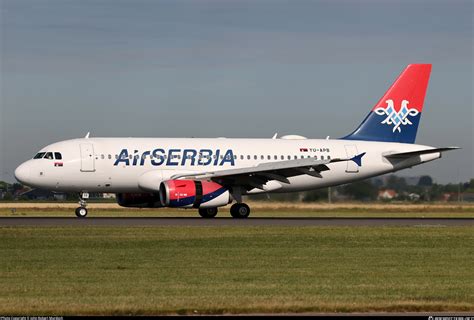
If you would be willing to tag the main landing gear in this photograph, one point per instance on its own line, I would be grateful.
(81, 211)
(208, 212)
(239, 210)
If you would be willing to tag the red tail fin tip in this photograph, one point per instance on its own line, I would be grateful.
(409, 89)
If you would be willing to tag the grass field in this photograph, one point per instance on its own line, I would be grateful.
(259, 209)
(189, 270)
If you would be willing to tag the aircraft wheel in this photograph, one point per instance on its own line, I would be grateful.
(240, 211)
(81, 212)
(208, 212)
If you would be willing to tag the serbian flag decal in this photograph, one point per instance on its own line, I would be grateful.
(58, 164)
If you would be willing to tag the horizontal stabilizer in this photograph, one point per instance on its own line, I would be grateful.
(402, 155)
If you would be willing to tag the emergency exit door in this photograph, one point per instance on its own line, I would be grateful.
(351, 151)
(87, 157)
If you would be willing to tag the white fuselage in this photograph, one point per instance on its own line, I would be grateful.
(102, 165)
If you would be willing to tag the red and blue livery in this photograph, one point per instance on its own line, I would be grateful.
(396, 115)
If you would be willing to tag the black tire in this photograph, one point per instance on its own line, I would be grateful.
(208, 212)
(81, 212)
(240, 211)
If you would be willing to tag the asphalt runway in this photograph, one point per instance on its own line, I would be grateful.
(282, 222)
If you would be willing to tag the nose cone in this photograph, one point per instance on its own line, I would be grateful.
(22, 173)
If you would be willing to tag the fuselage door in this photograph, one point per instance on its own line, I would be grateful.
(87, 157)
(351, 151)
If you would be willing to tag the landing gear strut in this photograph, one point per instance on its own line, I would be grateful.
(81, 211)
(208, 212)
(239, 211)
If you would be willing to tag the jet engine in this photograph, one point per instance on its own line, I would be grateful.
(139, 200)
(193, 194)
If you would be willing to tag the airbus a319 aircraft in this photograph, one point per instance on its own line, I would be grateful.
(206, 174)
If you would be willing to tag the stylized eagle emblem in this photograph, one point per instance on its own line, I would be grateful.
(396, 118)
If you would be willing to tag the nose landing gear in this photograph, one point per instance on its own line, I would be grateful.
(81, 212)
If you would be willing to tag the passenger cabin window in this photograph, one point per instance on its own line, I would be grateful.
(58, 156)
(39, 155)
(49, 155)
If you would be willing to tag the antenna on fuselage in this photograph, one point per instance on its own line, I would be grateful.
(275, 135)
(87, 135)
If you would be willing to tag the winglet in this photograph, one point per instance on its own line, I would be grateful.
(358, 159)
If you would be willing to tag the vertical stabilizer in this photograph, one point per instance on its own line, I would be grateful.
(395, 117)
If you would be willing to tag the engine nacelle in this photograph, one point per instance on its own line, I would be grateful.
(139, 200)
(193, 194)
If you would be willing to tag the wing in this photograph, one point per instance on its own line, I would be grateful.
(409, 154)
(258, 175)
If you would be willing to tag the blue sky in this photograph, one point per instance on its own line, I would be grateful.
(229, 68)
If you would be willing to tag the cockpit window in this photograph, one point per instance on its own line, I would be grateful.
(39, 155)
(49, 155)
(58, 156)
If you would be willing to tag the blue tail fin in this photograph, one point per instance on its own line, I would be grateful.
(396, 116)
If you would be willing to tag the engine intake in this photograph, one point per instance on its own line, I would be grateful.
(193, 194)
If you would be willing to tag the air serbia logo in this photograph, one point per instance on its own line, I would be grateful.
(176, 157)
(394, 118)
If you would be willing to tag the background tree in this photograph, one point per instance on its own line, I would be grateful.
(396, 183)
(315, 195)
(361, 190)
(425, 181)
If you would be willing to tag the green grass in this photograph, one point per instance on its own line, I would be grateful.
(186, 270)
